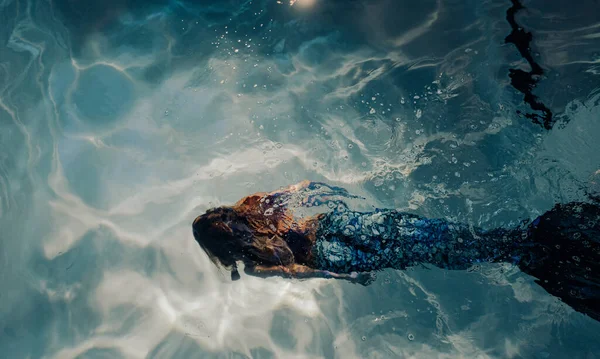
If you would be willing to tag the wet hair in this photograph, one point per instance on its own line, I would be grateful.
(228, 236)
(215, 237)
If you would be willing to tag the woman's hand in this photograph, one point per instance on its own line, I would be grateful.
(363, 278)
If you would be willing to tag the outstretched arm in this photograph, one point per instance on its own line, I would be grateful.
(301, 271)
(290, 271)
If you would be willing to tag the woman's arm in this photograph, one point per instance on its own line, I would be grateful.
(300, 271)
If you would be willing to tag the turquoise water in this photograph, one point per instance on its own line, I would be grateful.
(121, 121)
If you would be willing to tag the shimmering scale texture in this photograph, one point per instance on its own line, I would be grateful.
(353, 241)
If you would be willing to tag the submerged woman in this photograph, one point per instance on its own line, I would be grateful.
(561, 248)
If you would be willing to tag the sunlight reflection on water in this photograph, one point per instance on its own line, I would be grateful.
(120, 122)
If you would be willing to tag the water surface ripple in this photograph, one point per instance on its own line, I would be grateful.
(122, 120)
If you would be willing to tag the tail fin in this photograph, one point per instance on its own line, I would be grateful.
(562, 250)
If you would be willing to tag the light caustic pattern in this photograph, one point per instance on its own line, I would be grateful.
(119, 126)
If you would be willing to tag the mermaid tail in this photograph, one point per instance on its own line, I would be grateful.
(561, 248)
(562, 251)
(350, 241)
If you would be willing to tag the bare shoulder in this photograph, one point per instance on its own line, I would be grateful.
(292, 188)
(261, 197)
(251, 200)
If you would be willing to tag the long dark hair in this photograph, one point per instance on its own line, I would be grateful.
(228, 236)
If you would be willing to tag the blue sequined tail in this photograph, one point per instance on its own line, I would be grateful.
(561, 248)
(356, 241)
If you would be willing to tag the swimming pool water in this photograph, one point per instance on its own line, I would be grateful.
(121, 121)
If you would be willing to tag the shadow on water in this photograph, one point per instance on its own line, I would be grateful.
(525, 81)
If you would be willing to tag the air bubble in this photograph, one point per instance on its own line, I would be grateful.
(363, 338)
(411, 337)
